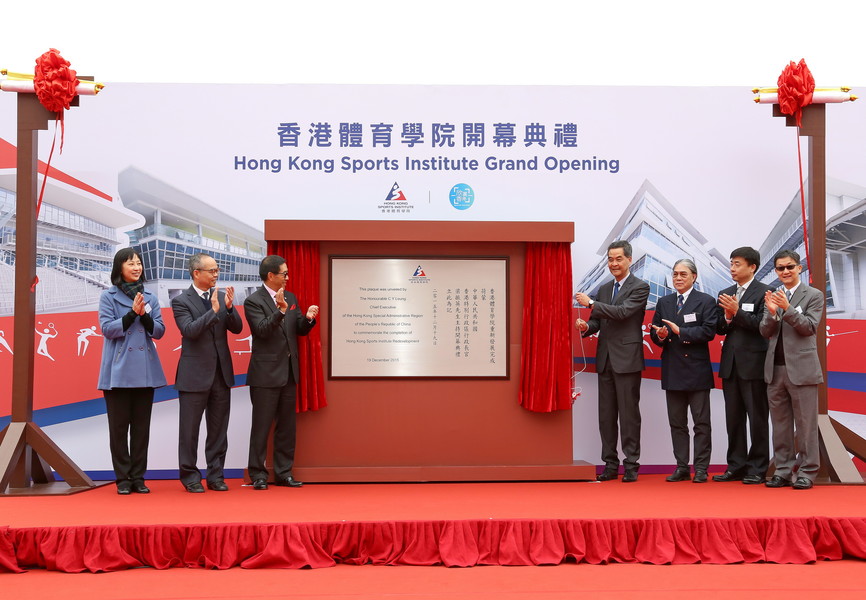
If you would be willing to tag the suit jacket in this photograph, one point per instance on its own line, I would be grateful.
(745, 349)
(204, 341)
(686, 356)
(275, 342)
(129, 358)
(798, 336)
(618, 323)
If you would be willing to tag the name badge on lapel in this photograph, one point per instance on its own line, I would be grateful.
(748, 307)
(690, 318)
(799, 310)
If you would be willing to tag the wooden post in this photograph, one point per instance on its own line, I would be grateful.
(27, 454)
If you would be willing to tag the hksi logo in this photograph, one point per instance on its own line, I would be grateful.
(396, 194)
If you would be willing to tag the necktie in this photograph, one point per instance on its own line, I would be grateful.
(740, 291)
(615, 290)
(680, 301)
(788, 294)
(205, 298)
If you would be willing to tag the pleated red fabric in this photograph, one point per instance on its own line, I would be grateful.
(302, 261)
(794, 540)
(8, 562)
(545, 355)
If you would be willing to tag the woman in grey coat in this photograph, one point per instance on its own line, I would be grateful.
(130, 320)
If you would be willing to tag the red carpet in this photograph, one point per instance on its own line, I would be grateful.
(433, 524)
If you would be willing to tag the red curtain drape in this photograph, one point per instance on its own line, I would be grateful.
(545, 356)
(302, 260)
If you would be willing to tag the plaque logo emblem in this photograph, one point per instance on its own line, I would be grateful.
(396, 194)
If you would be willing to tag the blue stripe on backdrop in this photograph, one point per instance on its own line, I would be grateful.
(838, 380)
(854, 382)
(156, 474)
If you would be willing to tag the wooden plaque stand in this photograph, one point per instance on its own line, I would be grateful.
(436, 429)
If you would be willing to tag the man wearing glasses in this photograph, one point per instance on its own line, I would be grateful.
(275, 320)
(793, 371)
(683, 326)
(203, 314)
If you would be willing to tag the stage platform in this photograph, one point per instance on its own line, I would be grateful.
(452, 524)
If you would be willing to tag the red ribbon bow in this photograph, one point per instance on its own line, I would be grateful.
(54, 81)
(796, 86)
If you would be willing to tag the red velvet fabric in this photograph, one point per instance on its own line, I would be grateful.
(795, 540)
(545, 356)
(302, 260)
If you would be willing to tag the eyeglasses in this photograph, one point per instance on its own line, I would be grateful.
(782, 268)
(283, 274)
(211, 271)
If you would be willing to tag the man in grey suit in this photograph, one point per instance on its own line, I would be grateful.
(617, 315)
(205, 374)
(275, 320)
(793, 371)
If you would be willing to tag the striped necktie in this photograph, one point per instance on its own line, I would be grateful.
(680, 302)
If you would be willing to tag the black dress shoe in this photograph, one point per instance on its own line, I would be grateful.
(289, 482)
(607, 475)
(700, 477)
(124, 488)
(217, 486)
(727, 476)
(777, 482)
(260, 484)
(139, 488)
(802, 483)
(679, 475)
(753, 479)
(195, 488)
(630, 476)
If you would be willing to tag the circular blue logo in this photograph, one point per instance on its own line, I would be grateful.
(461, 196)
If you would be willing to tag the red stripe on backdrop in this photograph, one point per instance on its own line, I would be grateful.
(846, 401)
(67, 358)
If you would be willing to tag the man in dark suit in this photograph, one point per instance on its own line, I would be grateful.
(205, 375)
(683, 325)
(275, 320)
(742, 371)
(793, 371)
(617, 315)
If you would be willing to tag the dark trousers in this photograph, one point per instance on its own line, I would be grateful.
(272, 406)
(128, 411)
(619, 401)
(216, 404)
(747, 399)
(679, 403)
